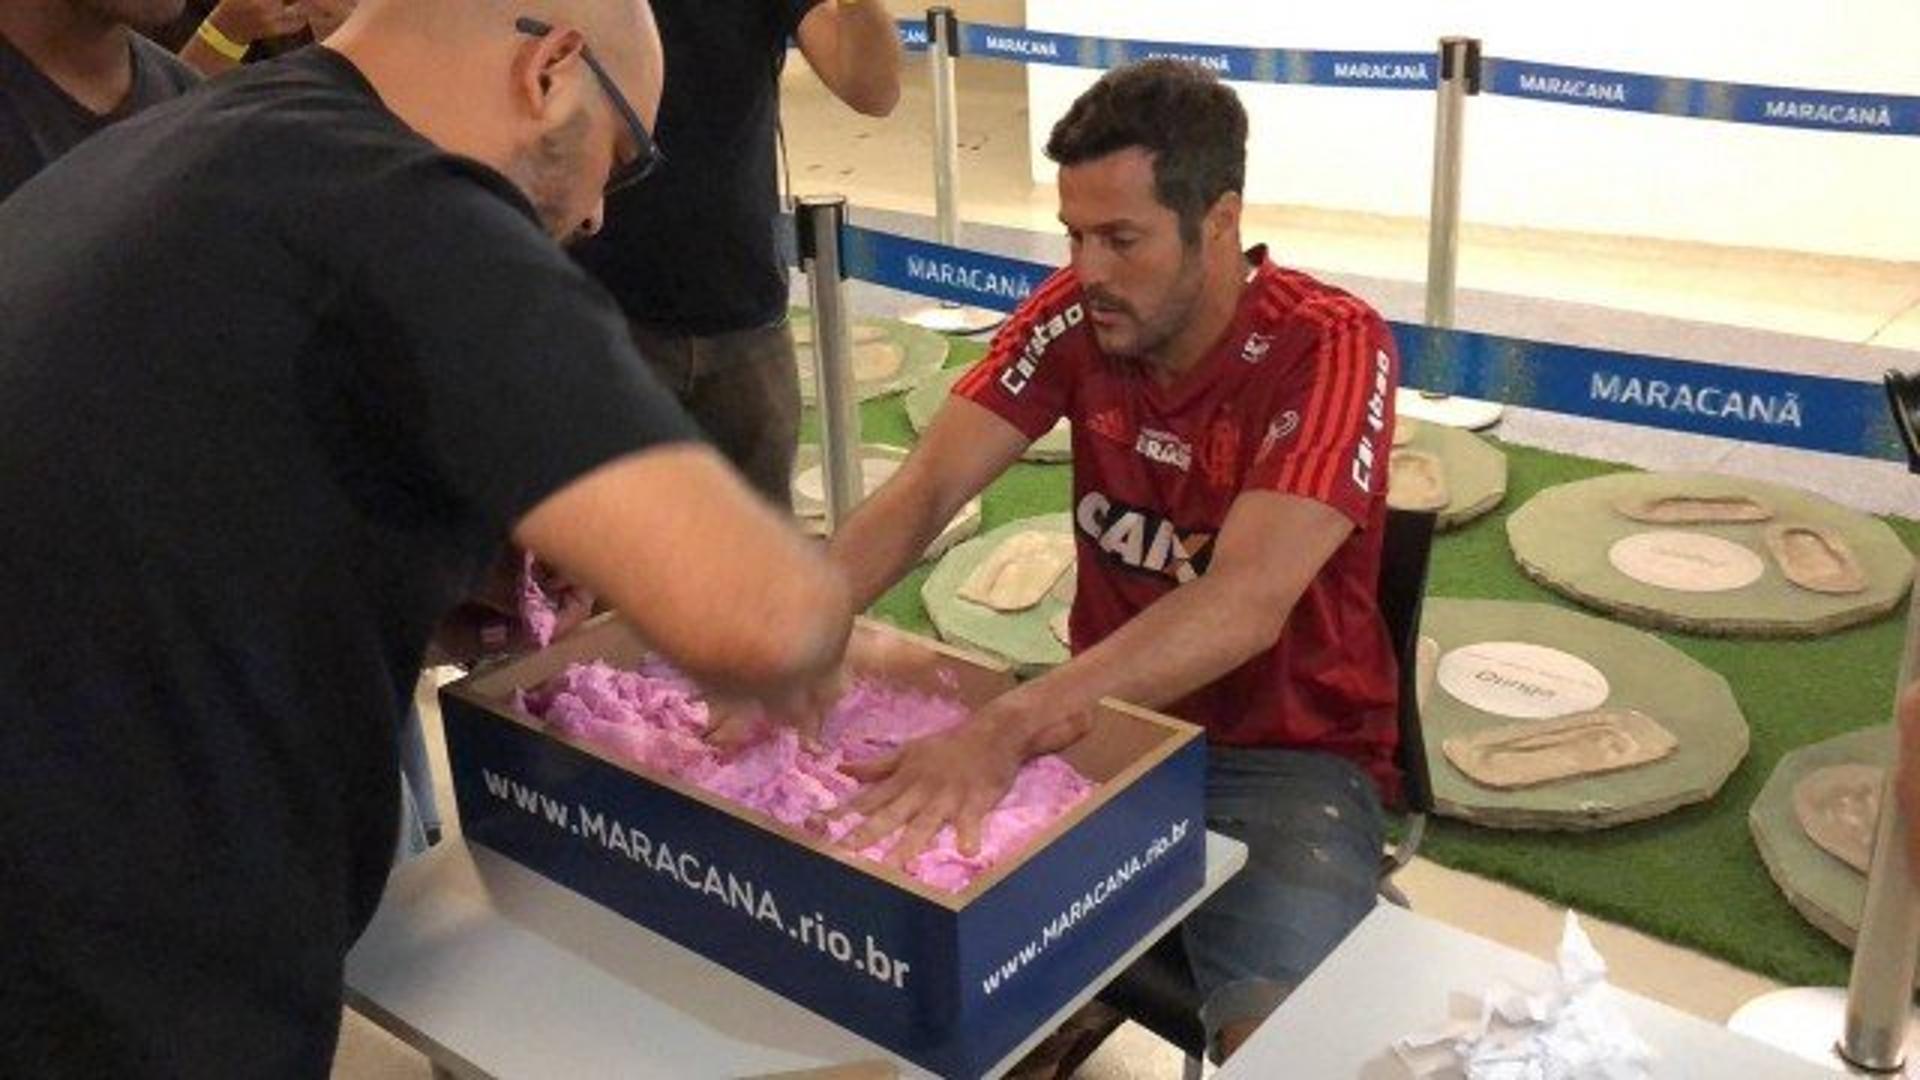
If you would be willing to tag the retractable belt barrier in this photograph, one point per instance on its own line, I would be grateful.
(1805, 412)
(1705, 99)
(1740, 103)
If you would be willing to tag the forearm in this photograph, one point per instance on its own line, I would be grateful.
(884, 539)
(201, 54)
(710, 577)
(1187, 639)
(868, 57)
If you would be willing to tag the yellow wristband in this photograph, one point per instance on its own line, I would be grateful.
(220, 42)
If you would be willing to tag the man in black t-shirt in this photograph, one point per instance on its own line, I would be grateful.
(282, 364)
(690, 256)
(69, 68)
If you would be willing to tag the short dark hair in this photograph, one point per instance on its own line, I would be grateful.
(1190, 121)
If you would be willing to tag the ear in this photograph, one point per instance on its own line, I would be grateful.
(1223, 217)
(548, 68)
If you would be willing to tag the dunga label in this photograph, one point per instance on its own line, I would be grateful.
(1521, 680)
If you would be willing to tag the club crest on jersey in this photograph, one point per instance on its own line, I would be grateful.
(1165, 448)
(1365, 455)
(1018, 375)
(1220, 456)
(1141, 540)
(1255, 350)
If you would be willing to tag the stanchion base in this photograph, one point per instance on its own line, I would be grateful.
(1448, 410)
(1806, 1022)
(954, 319)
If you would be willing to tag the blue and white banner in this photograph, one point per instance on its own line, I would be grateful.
(1385, 70)
(913, 34)
(944, 273)
(1742, 103)
(1807, 412)
(1749, 404)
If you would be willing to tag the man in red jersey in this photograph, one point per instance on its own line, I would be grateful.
(1231, 427)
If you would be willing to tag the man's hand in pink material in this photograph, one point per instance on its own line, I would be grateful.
(733, 725)
(953, 778)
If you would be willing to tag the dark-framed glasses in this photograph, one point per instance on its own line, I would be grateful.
(647, 156)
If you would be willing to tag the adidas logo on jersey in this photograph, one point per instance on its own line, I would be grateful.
(1255, 350)
(1365, 457)
(1140, 539)
(1016, 377)
(1165, 448)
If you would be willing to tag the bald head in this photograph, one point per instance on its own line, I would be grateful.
(513, 84)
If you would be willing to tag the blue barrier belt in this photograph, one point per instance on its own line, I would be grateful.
(1806, 412)
(1741, 103)
(1384, 70)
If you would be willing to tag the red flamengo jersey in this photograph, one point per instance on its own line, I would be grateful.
(1296, 397)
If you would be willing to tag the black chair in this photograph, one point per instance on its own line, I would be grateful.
(1158, 991)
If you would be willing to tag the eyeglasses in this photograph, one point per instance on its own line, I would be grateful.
(647, 156)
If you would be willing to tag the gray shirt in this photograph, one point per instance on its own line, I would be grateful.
(39, 121)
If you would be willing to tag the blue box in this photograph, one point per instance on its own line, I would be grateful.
(953, 982)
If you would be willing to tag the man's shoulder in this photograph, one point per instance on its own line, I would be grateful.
(162, 67)
(1296, 298)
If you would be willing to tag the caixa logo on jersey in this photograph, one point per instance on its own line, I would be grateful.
(1016, 377)
(1365, 456)
(1142, 540)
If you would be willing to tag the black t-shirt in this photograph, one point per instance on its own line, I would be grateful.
(277, 376)
(39, 121)
(692, 248)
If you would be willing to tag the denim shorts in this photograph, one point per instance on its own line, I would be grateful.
(1314, 830)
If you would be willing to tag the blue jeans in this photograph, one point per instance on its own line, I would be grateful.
(1313, 828)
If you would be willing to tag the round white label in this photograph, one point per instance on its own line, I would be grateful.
(812, 482)
(1686, 561)
(1522, 680)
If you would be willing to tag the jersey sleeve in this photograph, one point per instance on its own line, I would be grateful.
(512, 367)
(1026, 378)
(1331, 438)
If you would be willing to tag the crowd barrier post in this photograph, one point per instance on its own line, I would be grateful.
(1459, 79)
(943, 47)
(1865, 1029)
(1880, 988)
(818, 221)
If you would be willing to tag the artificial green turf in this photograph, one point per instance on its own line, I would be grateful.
(1692, 876)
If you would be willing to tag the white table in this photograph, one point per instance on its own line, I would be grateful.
(1394, 976)
(493, 971)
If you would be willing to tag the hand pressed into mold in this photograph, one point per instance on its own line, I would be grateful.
(952, 778)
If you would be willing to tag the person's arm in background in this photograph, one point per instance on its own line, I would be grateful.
(855, 49)
(325, 16)
(233, 26)
(701, 567)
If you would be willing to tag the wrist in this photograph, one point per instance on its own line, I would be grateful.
(223, 37)
(1023, 720)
